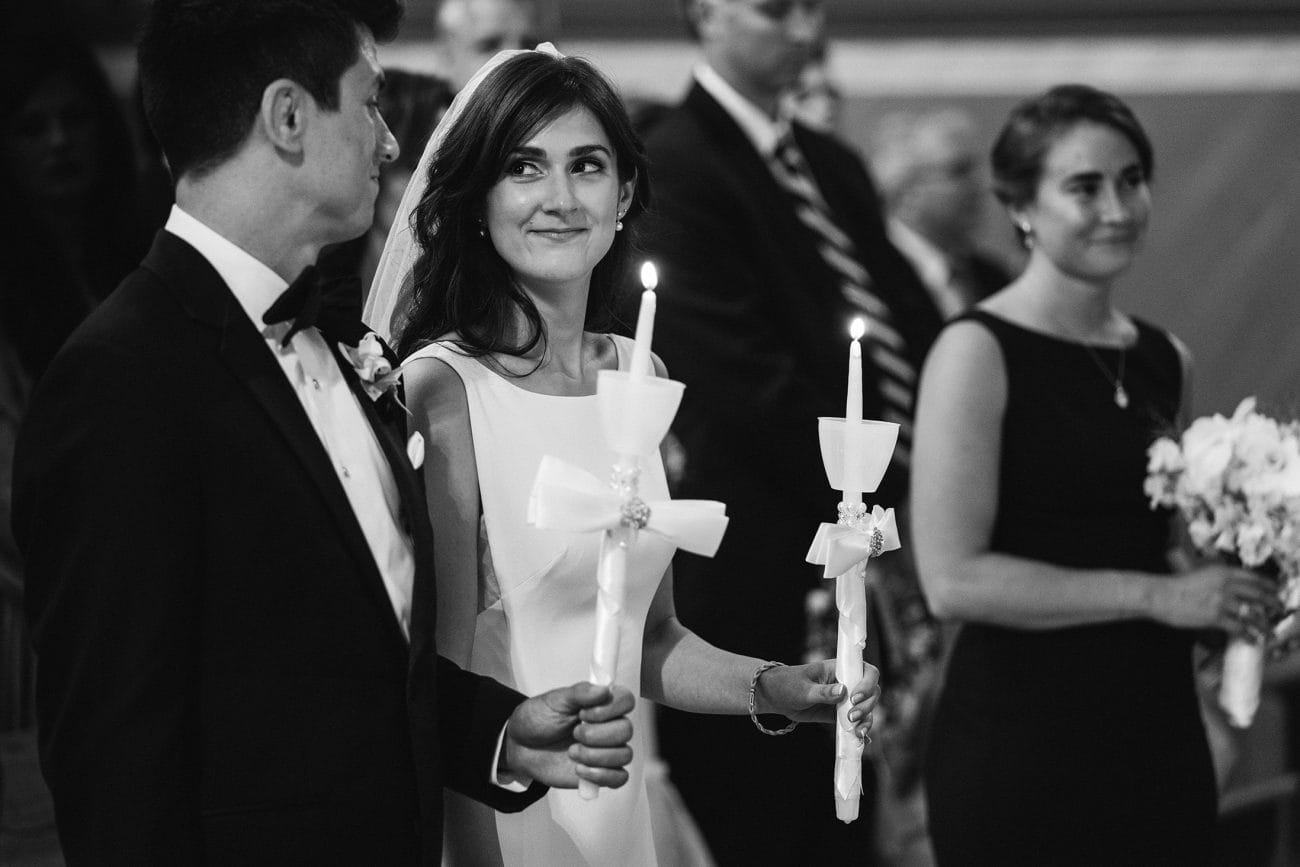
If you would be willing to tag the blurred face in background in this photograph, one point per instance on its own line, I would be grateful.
(1090, 212)
(760, 46)
(51, 143)
(945, 190)
(814, 100)
(471, 31)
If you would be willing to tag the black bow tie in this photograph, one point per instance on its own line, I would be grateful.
(331, 304)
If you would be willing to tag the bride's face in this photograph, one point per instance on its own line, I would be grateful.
(551, 214)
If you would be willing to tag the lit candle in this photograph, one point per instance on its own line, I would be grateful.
(853, 416)
(645, 322)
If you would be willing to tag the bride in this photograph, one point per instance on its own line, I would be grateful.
(499, 271)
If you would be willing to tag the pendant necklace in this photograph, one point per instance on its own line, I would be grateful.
(1121, 394)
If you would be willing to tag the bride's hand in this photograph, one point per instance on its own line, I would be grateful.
(809, 693)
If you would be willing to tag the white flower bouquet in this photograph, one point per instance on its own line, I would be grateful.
(1236, 482)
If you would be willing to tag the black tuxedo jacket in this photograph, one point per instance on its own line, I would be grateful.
(222, 678)
(753, 320)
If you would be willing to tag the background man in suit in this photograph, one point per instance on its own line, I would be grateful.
(927, 164)
(770, 240)
(229, 564)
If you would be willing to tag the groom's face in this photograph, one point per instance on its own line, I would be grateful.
(345, 148)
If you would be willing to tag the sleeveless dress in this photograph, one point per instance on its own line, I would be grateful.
(537, 601)
(1081, 745)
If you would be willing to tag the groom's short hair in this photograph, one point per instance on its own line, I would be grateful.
(205, 63)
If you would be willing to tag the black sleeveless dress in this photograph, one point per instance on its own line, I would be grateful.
(1081, 745)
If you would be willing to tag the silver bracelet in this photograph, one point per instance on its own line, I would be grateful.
(753, 713)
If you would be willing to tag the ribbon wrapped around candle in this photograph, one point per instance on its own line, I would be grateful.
(565, 497)
(844, 549)
(840, 547)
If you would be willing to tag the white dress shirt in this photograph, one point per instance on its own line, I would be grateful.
(330, 404)
(762, 131)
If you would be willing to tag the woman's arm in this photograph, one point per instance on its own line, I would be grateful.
(956, 459)
(440, 412)
(682, 670)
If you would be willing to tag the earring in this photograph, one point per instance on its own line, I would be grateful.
(1026, 235)
(618, 224)
(482, 229)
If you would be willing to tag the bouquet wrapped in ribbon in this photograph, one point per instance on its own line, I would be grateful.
(1236, 482)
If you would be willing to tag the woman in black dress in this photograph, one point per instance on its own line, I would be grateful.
(1068, 731)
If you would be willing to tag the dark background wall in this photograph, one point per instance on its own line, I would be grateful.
(1222, 266)
(643, 19)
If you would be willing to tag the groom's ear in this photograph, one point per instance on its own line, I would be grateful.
(283, 114)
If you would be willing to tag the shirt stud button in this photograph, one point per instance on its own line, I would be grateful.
(347, 474)
(315, 383)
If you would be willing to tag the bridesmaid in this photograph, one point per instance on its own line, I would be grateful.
(1068, 731)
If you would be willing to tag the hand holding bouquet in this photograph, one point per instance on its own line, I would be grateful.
(1236, 482)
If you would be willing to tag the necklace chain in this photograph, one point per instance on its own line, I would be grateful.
(1117, 380)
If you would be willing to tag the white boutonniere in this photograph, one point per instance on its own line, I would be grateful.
(376, 372)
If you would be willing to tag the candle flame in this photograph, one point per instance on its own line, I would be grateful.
(649, 275)
(857, 328)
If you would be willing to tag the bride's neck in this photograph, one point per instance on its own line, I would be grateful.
(563, 318)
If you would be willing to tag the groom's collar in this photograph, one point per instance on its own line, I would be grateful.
(254, 285)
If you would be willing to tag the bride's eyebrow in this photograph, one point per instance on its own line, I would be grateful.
(539, 153)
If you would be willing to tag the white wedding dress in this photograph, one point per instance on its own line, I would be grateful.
(536, 620)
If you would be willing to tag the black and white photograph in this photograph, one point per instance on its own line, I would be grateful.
(650, 432)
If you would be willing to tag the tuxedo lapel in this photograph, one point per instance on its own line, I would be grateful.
(205, 296)
(390, 434)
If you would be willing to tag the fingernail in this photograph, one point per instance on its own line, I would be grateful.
(859, 698)
(854, 715)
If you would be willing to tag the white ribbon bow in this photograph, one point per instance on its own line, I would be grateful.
(565, 497)
(841, 547)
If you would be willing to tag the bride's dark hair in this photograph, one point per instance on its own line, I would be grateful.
(461, 284)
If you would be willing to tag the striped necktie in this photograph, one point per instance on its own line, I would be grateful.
(896, 377)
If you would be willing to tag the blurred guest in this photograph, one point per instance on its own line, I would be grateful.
(1068, 731)
(470, 32)
(411, 103)
(16, 710)
(815, 99)
(770, 240)
(927, 165)
(67, 194)
(67, 215)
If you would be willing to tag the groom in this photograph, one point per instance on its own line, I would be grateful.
(228, 560)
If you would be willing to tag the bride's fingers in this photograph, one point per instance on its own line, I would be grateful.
(864, 703)
(831, 693)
